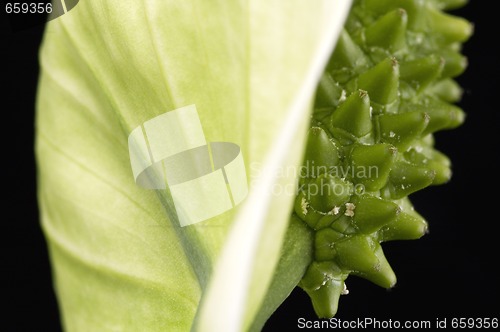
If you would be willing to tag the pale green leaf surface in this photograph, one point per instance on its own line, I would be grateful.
(121, 262)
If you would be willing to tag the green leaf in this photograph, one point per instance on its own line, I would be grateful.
(121, 261)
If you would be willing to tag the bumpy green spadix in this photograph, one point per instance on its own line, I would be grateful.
(386, 90)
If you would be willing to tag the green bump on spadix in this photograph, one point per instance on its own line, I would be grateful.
(372, 213)
(347, 54)
(328, 92)
(371, 164)
(449, 4)
(324, 244)
(443, 116)
(389, 31)
(364, 257)
(321, 153)
(420, 73)
(449, 28)
(383, 275)
(402, 129)
(433, 160)
(329, 191)
(447, 90)
(404, 227)
(386, 71)
(387, 89)
(454, 63)
(414, 8)
(324, 283)
(353, 115)
(406, 179)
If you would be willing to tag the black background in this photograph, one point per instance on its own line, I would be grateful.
(450, 272)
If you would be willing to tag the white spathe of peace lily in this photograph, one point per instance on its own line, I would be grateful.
(120, 259)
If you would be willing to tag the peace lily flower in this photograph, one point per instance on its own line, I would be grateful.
(121, 260)
(153, 118)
